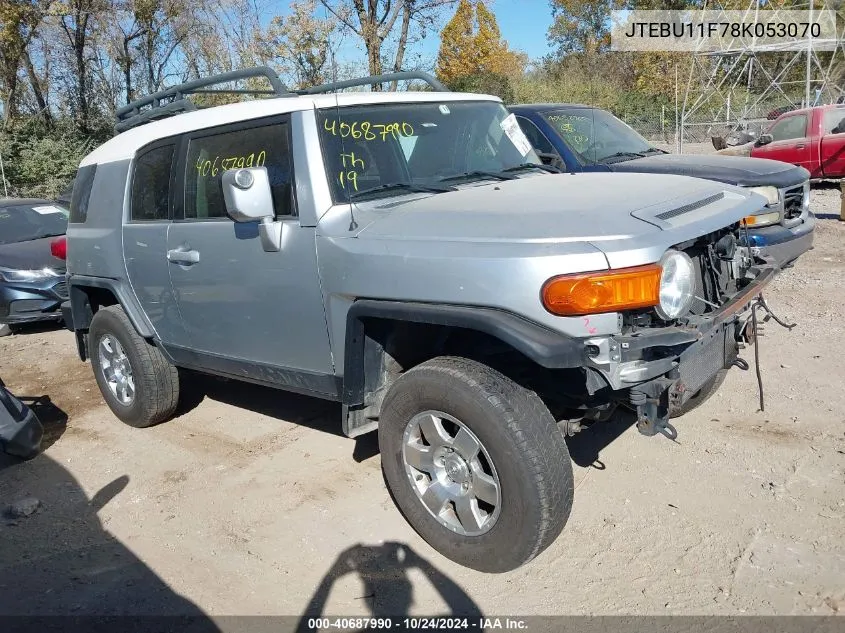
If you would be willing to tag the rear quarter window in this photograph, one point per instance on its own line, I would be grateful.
(82, 186)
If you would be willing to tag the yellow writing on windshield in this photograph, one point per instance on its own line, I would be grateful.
(349, 173)
(573, 128)
(213, 167)
(367, 130)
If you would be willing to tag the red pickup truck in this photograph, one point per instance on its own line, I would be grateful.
(812, 138)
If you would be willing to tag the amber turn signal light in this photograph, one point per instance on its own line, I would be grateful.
(605, 291)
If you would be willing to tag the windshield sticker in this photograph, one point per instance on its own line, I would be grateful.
(368, 131)
(444, 109)
(49, 210)
(510, 127)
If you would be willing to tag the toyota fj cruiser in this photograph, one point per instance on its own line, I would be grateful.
(408, 255)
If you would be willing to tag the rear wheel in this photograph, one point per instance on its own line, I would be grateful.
(475, 463)
(139, 385)
(707, 390)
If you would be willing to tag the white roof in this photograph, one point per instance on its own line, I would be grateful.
(124, 145)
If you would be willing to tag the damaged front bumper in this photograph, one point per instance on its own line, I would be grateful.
(656, 368)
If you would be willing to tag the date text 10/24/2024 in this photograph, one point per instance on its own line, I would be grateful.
(416, 624)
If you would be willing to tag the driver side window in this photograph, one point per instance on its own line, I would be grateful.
(790, 128)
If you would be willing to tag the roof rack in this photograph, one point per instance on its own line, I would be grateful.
(375, 79)
(173, 101)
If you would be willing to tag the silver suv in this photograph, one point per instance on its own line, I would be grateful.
(408, 255)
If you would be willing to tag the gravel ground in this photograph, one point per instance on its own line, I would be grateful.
(251, 502)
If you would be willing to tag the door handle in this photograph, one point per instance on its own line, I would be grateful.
(800, 146)
(184, 257)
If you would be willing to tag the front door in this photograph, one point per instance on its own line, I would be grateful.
(247, 312)
(789, 142)
(833, 143)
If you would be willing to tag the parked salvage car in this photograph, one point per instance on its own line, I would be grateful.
(582, 138)
(408, 255)
(32, 267)
(812, 138)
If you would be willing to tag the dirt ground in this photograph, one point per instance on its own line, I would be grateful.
(252, 502)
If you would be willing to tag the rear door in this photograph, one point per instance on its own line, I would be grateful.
(790, 143)
(247, 311)
(145, 238)
(833, 143)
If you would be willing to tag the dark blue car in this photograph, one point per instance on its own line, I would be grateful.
(32, 271)
(578, 138)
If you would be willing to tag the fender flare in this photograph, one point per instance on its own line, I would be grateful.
(545, 347)
(126, 299)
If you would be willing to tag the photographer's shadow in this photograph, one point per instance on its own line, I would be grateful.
(388, 590)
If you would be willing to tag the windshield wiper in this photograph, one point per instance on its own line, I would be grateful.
(652, 150)
(393, 186)
(622, 155)
(549, 168)
(496, 175)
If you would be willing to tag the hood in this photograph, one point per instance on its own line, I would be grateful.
(733, 170)
(30, 255)
(550, 209)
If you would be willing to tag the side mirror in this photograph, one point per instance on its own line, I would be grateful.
(764, 139)
(248, 198)
(247, 194)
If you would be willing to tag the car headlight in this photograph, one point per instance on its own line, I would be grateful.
(677, 285)
(771, 194)
(13, 274)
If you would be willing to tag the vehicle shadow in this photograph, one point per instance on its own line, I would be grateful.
(53, 419)
(585, 447)
(38, 327)
(388, 589)
(60, 561)
(314, 413)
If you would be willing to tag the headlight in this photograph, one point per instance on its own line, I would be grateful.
(11, 274)
(677, 285)
(771, 194)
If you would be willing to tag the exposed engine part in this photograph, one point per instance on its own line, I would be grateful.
(760, 304)
(726, 247)
(570, 427)
(652, 403)
(741, 363)
(771, 315)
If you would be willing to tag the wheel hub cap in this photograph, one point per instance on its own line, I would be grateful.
(451, 473)
(456, 469)
(116, 369)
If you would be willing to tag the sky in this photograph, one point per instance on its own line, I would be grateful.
(523, 23)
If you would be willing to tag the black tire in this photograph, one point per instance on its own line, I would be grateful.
(524, 444)
(707, 390)
(156, 380)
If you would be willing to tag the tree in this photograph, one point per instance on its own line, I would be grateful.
(18, 22)
(301, 44)
(377, 21)
(472, 45)
(581, 26)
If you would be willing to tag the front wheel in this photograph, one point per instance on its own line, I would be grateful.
(476, 463)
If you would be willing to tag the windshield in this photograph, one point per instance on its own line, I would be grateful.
(21, 223)
(393, 149)
(597, 136)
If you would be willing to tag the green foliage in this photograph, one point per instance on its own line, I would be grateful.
(39, 162)
(484, 83)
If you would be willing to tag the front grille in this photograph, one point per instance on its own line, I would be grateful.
(61, 289)
(792, 202)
